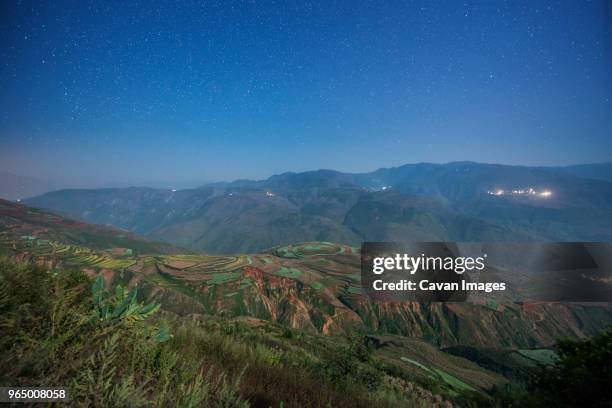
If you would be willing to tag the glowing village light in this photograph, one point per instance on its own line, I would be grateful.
(521, 192)
(495, 192)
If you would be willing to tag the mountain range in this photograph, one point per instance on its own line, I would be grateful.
(460, 201)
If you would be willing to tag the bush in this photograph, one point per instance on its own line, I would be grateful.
(581, 376)
(58, 328)
(52, 334)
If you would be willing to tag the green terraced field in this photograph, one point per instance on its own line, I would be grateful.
(245, 283)
(453, 381)
(542, 356)
(116, 263)
(291, 273)
(421, 366)
(223, 277)
(357, 290)
(313, 249)
(434, 372)
(316, 285)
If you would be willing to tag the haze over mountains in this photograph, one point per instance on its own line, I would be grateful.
(460, 201)
(17, 187)
(14, 187)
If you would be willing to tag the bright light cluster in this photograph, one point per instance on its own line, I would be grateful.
(521, 192)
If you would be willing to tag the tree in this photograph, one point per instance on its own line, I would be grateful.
(581, 377)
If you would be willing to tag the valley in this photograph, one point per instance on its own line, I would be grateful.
(418, 202)
(282, 256)
(444, 351)
(313, 287)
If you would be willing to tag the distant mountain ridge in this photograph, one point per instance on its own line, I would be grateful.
(601, 171)
(424, 202)
(17, 187)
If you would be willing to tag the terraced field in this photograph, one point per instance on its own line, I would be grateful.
(20, 224)
(302, 265)
(283, 284)
(312, 286)
(68, 254)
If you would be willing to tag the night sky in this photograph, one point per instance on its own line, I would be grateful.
(105, 92)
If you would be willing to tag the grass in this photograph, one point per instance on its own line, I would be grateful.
(56, 341)
(49, 337)
(449, 379)
(454, 381)
(416, 363)
(542, 356)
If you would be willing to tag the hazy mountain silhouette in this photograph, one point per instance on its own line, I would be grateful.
(412, 202)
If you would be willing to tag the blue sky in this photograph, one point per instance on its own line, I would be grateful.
(107, 92)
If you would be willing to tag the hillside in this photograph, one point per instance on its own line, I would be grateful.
(21, 224)
(313, 287)
(452, 202)
(79, 336)
(302, 304)
(600, 171)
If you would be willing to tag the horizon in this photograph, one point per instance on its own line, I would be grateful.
(194, 184)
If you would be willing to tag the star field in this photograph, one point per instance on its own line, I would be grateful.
(108, 91)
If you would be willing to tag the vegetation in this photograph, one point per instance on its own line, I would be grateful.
(110, 349)
(580, 376)
(105, 354)
(265, 348)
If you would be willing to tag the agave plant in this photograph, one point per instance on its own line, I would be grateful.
(122, 307)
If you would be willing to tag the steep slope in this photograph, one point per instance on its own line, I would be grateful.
(34, 228)
(392, 216)
(250, 222)
(139, 209)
